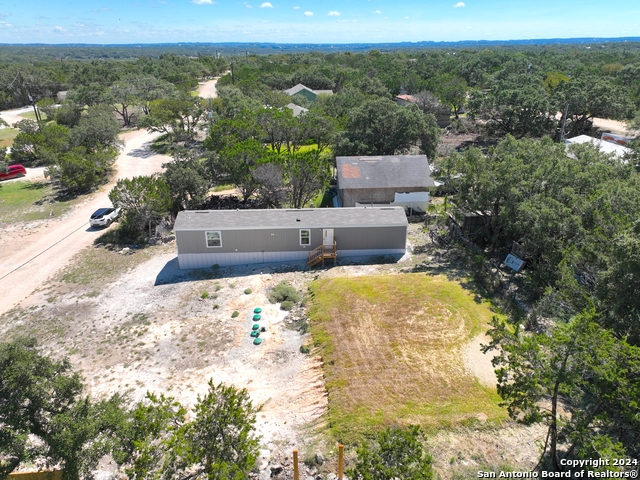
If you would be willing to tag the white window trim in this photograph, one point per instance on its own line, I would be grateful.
(300, 236)
(206, 238)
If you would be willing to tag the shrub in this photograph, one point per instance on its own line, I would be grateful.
(305, 349)
(248, 291)
(283, 292)
(287, 305)
(204, 295)
(235, 314)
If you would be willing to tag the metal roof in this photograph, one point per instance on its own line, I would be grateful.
(606, 147)
(297, 110)
(387, 171)
(297, 88)
(290, 218)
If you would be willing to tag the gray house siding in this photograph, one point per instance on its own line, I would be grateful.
(279, 244)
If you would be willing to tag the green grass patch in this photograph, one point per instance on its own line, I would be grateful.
(98, 266)
(7, 135)
(26, 201)
(391, 347)
(31, 115)
(222, 188)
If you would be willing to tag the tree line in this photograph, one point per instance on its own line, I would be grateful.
(47, 418)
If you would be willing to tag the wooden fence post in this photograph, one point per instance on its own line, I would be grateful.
(340, 460)
(295, 465)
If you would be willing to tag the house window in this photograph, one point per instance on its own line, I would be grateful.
(214, 239)
(305, 236)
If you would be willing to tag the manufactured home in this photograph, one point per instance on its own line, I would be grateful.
(236, 237)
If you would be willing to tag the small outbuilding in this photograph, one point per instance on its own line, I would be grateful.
(377, 180)
(235, 237)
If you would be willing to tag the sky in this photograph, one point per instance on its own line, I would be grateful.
(311, 21)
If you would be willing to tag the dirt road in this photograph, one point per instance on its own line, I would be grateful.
(13, 116)
(41, 249)
(208, 89)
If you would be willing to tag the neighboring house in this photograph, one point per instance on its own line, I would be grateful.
(296, 109)
(379, 180)
(235, 237)
(306, 92)
(61, 95)
(606, 147)
(443, 117)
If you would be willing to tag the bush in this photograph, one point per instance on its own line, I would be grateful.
(248, 291)
(235, 314)
(393, 453)
(287, 305)
(306, 349)
(204, 295)
(282, 293)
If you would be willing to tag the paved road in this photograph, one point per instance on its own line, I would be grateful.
(39, 253)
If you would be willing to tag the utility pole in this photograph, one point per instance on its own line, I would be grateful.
(33, 103)
(564, 122)
(233, 78)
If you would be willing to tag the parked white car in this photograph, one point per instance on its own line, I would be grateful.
(103, 217)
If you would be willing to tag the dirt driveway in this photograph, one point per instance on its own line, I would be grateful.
(41, 248)
(208, 89)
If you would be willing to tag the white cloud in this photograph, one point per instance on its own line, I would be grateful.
(333, 13)
(406, 17)
(247, 5)
(296, 8)
(59, 29)
(5, 25)
(203, 2)
(308, 14)
(377, 12)
(266, 5)
(459, 5)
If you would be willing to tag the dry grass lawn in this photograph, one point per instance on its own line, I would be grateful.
(391, 347)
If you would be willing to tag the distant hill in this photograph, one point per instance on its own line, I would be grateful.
(88, 51)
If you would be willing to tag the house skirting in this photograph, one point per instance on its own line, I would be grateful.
(206, 260)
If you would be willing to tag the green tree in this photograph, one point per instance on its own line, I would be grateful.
(39, 145)
(321, 128)
(590, 97)
(278, 126)
(176, 117)
(579, 380)
(144, 200)
(187, 179)
(43, 415)
(97, 128)
(218, 444)
(237, 164)
(393, 453)
(80, 170)
(452, 91)
(517, 105)
(381, 127)
(308, 173)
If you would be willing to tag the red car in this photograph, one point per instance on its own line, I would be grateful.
(14, 171)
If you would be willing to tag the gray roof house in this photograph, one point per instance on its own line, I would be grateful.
(306, 92)
(380, 180)
(296, 109)
(236, 237)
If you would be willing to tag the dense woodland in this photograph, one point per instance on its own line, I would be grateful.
(571, 357)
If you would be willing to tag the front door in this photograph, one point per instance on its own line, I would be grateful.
(327, 236)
